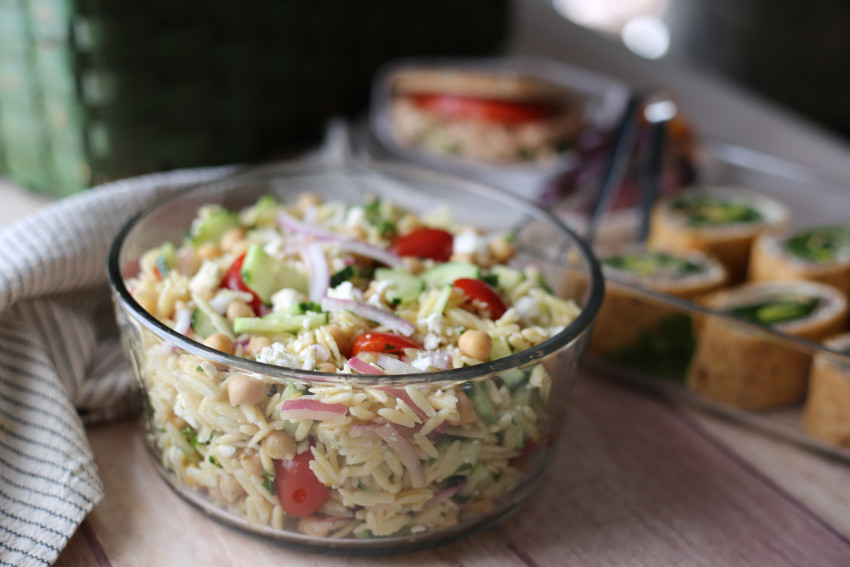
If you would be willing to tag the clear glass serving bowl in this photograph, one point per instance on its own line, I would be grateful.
(481, 474)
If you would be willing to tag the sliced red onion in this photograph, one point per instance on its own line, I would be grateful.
(405, 451)
(395, 366)
(363, 367)
(401, 394)
(318, 273)
(363, 249)
(442, 360)
(307, 408)
(370, 312)
(183, 320)
(295, 225)
(444, 494)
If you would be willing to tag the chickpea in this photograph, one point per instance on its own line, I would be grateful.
(414, 264)
(341, 338)
(244, 390)
(501, 249)
(229, 487)
(208, 251)
(220, 341)
(475, 344)
(307, 200)
(256, 345)
(465, 410)
(231, 238)
(326, 367)
(279, 445)
(238, 308)
(408, 223)
(462, 258)
(147, 300)
(251, 462)
(357, 232)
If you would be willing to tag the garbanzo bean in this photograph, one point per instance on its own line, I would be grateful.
(244, 390)
(256, 345)
(279, 445)
(231, 238)
(238, 308)
(475, 344)
(220, 341)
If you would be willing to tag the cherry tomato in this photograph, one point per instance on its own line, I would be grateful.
(484, 109)
(299, 491)
(387, 343)
(482, 296)
(233, 280)
(425, 242)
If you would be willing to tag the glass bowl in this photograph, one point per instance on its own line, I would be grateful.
(469, 476)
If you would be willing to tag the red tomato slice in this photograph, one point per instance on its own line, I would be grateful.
(425, 242)
(484, 109)
(299, 491)
(387, 343)
(233, 280)
(482, 296)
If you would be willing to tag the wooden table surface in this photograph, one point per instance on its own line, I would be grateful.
(638, 480)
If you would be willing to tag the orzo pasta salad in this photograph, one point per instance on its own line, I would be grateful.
(339, 289)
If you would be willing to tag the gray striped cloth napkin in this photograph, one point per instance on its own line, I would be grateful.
(61, 364)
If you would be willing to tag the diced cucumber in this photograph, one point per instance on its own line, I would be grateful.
(212, 223)
(481, 402)
(403, 286)
(202, 324)
(512, 377)
(279, 325)
(443, 298)
(509, 277)
(209, 318)
(478, 479)
(265, 275)
(344, 275)
(165, 258)
(448, 272)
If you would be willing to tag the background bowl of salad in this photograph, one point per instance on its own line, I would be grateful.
(359, 358)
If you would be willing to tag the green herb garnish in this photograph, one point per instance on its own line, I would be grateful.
(776, 311)
(268, 483)
(819, 245)
(709, 210)
(653, 263)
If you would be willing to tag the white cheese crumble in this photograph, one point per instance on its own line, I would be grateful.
(356, 217)
(468, 242)
(226, 450)
(432, 341)
(528, 308)
(181, 411)
(433, 323)
(207, 278)
(286, 298)
(276, 354)
(346, 290)
(424, 360)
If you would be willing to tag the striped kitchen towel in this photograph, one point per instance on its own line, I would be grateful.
(61, 364)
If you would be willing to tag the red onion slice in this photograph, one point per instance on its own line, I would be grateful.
(295, 225)
(373, 252)
(405, 451)
(395, 366)
(306, 408)
(318, 273)
(363, 367)
(402, 395)
(182, 321)
(370, 312)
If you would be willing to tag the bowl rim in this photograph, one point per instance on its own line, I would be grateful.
(406, 173)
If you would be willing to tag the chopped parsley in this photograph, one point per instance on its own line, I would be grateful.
(268, 483)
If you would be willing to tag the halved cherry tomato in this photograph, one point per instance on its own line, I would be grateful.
(387, 343)
(484, 109)
(233, 280)
(482, 296)
(299, 491)
(425, 242)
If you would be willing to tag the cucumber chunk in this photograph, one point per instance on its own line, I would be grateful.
(508, 278)
(202, 324)
(265, 275)
(478, 479)
(481, 402)
(279, 325)
(448, 272)
(211, 224)
(403, 286)
(512, 377)
(209, 319)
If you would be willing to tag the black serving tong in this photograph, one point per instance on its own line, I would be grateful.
(657, 111)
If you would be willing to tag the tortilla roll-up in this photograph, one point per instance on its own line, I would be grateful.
(625, 316)
(742, 368)
(826, 414)
(721, 221)
(820, 254)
